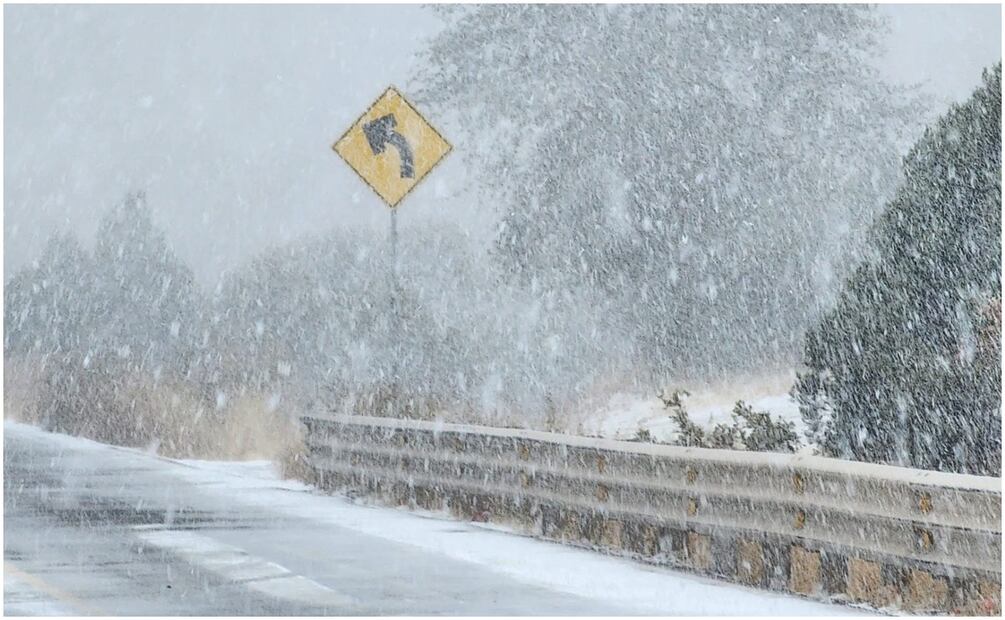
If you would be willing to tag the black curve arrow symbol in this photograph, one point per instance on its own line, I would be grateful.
(380, 133)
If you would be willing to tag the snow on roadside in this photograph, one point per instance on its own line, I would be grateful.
(623, 415)
(256, 486)
(648, 589)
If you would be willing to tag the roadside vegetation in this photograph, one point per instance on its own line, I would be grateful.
(619, 263)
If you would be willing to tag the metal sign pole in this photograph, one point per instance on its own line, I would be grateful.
(394, 323)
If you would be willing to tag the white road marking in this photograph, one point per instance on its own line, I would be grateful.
(237, 566)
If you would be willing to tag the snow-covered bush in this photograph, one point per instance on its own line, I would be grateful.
(688, 433)
(750, 430)
(759, 432)
(644, 436)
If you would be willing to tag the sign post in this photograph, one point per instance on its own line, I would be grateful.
(395, 322)
(392, 148)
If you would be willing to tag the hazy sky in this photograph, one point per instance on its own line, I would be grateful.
(226, 115)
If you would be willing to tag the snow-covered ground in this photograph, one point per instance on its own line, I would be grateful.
(575, 571)
(623, 415)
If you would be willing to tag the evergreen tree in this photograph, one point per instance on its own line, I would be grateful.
(699, 167)
(909, 359)
(47, 314)
(93, 324)
(46, 305)
(809, 392)
(147, 305)
(317, 315)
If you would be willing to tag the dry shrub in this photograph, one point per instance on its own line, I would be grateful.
(126, 409)
(20, 390)
(252, 428)
(175, 422)
(387, 400)
(293, 461)
(101, 402)
(160, 416)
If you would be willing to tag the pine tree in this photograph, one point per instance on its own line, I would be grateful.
(48, 311)
(810, 393)
(147, 304)
(908, 359)
(46, 305)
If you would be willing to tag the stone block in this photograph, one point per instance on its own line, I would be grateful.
(571, 528)
(866, 585)
(610, 535)
(749, 562)
(924, 592)
(647, 540)
(699, 550)
(804, 571)
(981, 598)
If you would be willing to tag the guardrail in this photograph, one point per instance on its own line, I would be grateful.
(823, 528)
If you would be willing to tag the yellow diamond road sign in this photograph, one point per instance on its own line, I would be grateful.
(391, 147)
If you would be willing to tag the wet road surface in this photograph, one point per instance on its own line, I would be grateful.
(97, 530)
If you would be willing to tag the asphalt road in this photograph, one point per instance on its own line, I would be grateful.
(104, 531)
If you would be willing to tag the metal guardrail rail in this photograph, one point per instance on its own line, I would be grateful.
(819, 527)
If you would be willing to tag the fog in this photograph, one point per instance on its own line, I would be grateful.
(225, 116)
(662, 234)
(791, 209)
